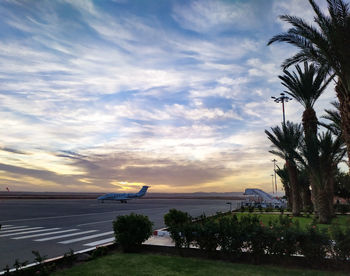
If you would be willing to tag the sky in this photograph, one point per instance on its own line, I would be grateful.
(107, 96)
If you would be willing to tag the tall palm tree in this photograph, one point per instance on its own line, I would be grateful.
(321, 157)
(306, 87)
(286, 140)
(327, 45)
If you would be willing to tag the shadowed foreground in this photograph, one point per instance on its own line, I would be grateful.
(138, 264)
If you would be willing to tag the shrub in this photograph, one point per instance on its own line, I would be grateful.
(242, 209)
(284, 236)
(131, 231)
(251, 209)
(178, 224)
(206, 236)
(314, 243)
(230, 238)
(341, 246)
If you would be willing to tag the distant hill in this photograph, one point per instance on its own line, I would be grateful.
(149, 195)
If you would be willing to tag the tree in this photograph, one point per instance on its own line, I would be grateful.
(286, 140)
(342, 185)
(326, 45)
(320, 157)
(306, 86)
(333, 115)
(283, 174)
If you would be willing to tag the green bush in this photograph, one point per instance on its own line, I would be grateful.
(180, 228)
(206, 236)
(230, 238)
(314, 243)
(341, 246)
(284, 236)
(131, 231)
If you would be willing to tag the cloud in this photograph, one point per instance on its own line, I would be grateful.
(205, 16)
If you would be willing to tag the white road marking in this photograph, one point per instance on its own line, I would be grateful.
(64, 236)
(100, 242)
(70, 216)
(87, 237)
(44, 234)
(20, 229)
(28, 232)
(6, 225)
(89, 223)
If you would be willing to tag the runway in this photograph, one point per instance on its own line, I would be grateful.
(54, 226)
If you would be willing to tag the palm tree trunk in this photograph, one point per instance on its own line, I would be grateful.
(310, 121)
(323, 206)
(330, 192)
(296, 200)
(289, 196)
(307, 204)
(344, 107)
(310, 129)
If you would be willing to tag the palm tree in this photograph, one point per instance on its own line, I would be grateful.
(321, 157)
(283, 174)
(286, 141)
(333, 115)
(304, 183)
(327, 45)
(306, 87)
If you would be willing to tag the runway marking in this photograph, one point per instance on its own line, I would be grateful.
(27, 232)
(44, 234)
(12, 227)
(87, 237)
(20, 229)
(70, 216)
(100, 242)
(89, 223)
(64, 236)
(6, 225)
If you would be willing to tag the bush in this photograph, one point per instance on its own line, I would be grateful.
(341, 246)
(131, 231)
(206, 236)
(314, 243)
(284, 236)
(230, 238)
(180, 228)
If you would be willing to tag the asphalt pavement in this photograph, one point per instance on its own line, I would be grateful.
(55, 226)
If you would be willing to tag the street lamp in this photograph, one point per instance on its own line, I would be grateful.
(282, 99)
(272, 183)
(274, 169)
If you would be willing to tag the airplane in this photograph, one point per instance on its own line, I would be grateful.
(124, 196)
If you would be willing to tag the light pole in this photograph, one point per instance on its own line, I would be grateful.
(282, 99)
(274, 170)
(272, 183)
(230, 203)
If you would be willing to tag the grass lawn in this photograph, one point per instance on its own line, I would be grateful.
(341, 220)
(145, 264)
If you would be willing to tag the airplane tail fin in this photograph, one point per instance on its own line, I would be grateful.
(143, 191)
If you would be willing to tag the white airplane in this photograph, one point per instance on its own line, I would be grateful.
(124, 196)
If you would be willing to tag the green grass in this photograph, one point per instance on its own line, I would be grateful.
(145, 264)
(341, 220)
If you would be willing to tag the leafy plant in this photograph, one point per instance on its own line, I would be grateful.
(178, 224)
(131, 231)
(341, 246)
